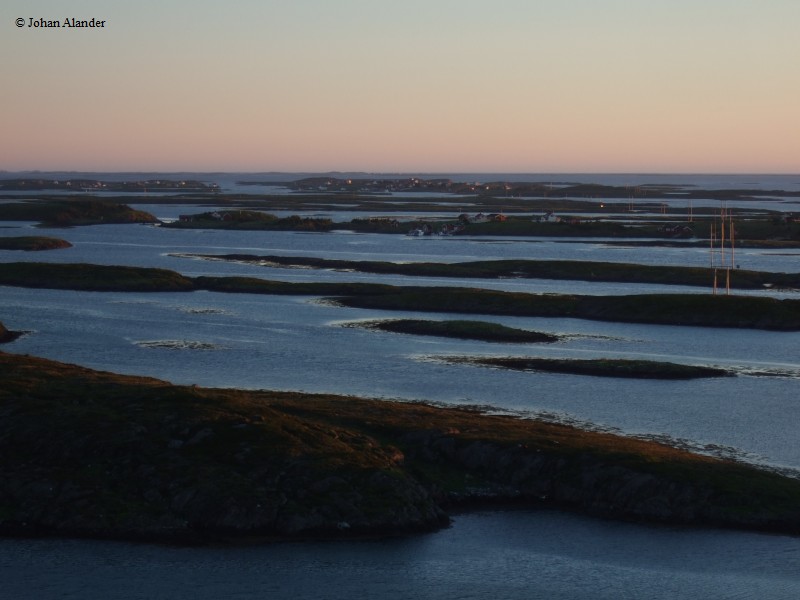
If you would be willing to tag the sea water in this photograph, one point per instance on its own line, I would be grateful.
(525, 555)
(274, 342)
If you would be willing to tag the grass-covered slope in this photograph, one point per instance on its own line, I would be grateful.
(87, 453)
(95, 454)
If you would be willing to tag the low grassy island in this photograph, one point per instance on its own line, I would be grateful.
(33, 243)
(94, 454)
(86, 277)
(68, 213)
(528, 269)
(468, 330)
(249, 220)
(602, 367)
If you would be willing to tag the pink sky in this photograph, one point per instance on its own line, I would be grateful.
(504, 86)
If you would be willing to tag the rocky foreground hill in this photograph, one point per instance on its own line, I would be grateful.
(94, 454)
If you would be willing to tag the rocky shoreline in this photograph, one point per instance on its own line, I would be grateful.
(94, 454)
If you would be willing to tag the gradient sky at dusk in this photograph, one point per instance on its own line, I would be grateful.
(420, 85)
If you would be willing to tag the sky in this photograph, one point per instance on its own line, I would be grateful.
(528, 86)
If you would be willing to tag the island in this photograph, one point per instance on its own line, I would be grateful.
(95, 454)
(459, 329)
(248, 220)
(599, 367)
(68, 213)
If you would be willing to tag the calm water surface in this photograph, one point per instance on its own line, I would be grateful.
(509, 555)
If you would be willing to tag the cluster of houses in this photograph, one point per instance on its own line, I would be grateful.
(677, 230)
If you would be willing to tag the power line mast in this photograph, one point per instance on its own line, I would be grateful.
(726, 259)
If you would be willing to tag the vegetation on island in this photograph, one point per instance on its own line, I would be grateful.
(249, 220)
(699, 310)
(467, 330)
(67, 213)
(33, 243)
(94, 454)
(602, 367)
(102, 278)
(530, 269)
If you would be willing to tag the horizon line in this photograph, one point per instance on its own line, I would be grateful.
(403, 172)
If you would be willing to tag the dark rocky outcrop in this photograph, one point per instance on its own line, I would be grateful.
(8, 336)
